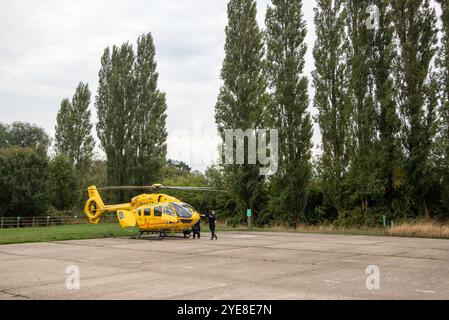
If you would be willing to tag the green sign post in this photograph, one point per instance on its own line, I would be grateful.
(249, 213)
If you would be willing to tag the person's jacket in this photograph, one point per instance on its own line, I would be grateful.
(212, 219)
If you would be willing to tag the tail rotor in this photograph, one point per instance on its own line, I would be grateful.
(94, 208)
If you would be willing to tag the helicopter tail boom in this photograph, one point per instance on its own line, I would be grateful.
(95, 208)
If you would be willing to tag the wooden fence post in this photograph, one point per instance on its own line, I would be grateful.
(18, 222)
(34, 220)
(48, 221)
(2, 223)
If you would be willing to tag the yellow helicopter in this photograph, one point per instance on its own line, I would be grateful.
(150, 213)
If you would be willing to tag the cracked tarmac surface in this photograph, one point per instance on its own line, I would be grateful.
(252, 265)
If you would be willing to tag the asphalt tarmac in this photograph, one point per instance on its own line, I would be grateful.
(249, 266)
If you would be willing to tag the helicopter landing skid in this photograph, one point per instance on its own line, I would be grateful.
(162, 235)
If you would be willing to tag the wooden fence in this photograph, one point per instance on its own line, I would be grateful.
(28, 222)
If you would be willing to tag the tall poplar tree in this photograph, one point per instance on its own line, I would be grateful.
(416, 32)
(286, 48)
(242, 98)
(82, 127)
(363, 173)
(63, 143)
(444, 60)
(330, 79)
(383, 55)
(443, 132)
(3, 136)
(73, 137)
(115, 103)
(149, 133)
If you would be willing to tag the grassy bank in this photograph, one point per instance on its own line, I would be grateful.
(310, 229)
(67, 232)
(420, 230)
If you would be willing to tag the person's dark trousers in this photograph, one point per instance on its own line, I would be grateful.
(213, 235)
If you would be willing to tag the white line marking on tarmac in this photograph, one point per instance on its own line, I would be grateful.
(424, 291)
(243, 236)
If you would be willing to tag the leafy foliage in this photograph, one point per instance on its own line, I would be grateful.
(24, 182)
(62, 183)
(25, 135)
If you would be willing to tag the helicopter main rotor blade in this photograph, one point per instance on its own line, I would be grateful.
(126, 188)
(209, 189)
(160, 187)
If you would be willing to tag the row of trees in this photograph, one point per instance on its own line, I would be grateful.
(381, 94)
(31, 183)
(379, 101)
(36, 180)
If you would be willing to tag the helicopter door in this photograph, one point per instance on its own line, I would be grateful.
(126, 218)
(157, 213)
(143, 217)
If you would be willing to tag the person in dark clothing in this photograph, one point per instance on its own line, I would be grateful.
(212, 219)
(197, 229)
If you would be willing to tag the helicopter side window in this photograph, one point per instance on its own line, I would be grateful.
(147, 212)
(169, 211)
(158, 211)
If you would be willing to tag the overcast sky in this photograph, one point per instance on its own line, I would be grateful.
(48, 46)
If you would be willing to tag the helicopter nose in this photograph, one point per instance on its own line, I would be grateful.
(196, 216)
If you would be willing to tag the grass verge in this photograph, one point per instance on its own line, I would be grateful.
(67, 232)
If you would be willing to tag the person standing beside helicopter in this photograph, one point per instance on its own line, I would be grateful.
(197, 229)
(212, 219)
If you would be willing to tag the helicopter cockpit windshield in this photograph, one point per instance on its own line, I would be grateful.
(182, 210)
